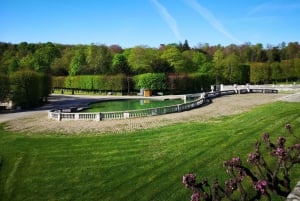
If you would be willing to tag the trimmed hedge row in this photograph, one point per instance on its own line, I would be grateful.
(92, 82)
(174, 83)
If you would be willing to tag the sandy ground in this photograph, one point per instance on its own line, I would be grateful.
(38, 122)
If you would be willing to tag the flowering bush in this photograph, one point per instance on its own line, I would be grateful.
(264, 178)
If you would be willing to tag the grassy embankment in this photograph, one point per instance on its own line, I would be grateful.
(144, 165)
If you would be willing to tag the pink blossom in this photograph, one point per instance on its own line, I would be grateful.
(195, 196)
(261, 186)
(189, 180)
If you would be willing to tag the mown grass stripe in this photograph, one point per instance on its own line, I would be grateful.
(143, 165)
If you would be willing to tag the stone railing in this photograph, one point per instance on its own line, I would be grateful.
(203, 99)
(100, 116)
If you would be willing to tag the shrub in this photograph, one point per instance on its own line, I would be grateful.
(262, 175)
(27, 88)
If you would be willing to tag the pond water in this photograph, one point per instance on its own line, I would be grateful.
(130, 104)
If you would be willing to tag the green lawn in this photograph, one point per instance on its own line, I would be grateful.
(144, 165)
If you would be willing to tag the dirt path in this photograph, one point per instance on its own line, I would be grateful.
(226, 105)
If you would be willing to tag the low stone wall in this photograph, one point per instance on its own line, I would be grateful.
(59, 115)
(203, 98)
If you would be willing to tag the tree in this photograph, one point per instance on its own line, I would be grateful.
(139, 60)
(218, 65)
(77, 63)
(184, 47)
(44, 56)
(174, 57)
(60, 65)
(99, 59)
(120, 64)
(232, 72)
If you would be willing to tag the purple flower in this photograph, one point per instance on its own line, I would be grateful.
(261, 186)
(253, 158)
(281, 141)
(189, 180)
(280, 152)
(297, 147)
(195, 196)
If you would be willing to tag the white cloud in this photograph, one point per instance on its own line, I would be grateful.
(211, 19)
(168, 18)
(273, 7)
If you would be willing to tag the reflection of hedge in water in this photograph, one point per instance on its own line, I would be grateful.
(175, 83)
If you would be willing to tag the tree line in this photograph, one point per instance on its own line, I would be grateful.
(225, 64)
(246, 63)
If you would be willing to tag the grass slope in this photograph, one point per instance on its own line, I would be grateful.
(144, 165)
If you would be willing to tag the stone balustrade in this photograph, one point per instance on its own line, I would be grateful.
(203, 98)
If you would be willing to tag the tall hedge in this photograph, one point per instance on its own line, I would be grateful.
(152, 81)
(28, 88)
(4, 87)
(189, 83)
(92, 82)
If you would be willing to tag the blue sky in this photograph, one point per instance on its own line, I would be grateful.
(150, 22)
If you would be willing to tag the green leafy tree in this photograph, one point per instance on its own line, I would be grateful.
(139, 59)
(77, 63)
(44, 56)
(120, 64)
(60, 65)
(174, 57)
(99, 59)
(232, 72)
(218, 65)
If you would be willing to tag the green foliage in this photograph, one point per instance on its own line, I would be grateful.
(4, 87)
(224, 63)
(189, 83)
(175, 58)
(120, 64)
(259, 73)
(92, 82)
(77, 63)
(28, 88)
(152, 81)
(58, 81)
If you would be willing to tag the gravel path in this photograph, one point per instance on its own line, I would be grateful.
(226, 105)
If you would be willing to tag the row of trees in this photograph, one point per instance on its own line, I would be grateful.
(179, 66)
(230, 64)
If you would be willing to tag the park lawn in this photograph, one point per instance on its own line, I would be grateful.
(143, 165)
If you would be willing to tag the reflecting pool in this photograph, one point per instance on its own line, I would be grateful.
(130, 104)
